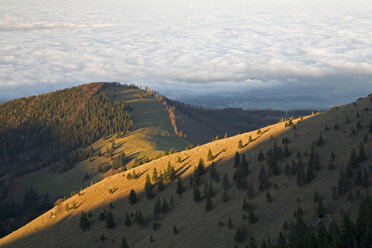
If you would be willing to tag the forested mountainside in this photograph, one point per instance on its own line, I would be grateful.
(37, 131)
(299, 183)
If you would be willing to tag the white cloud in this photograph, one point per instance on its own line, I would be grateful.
(243, 46)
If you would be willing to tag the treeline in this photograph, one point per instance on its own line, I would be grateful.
(36, 131)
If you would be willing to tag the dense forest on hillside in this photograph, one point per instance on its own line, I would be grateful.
(37, 131)
(51, 130)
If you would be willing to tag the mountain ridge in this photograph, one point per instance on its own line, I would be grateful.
(339, 130)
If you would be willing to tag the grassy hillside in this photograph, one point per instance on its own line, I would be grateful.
(311, 155)
(76, 137)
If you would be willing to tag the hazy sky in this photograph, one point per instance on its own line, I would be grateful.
(248, 53)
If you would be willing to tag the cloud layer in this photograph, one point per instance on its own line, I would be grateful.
(245, 47)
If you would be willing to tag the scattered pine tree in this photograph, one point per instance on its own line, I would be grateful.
(110, 221)
(161, 185)
(84, 222)
(175, 230)
(240, 144)
(180, 189)
(225, 196)
(154, 175)
(210, 156)
(209, 204)
(157, 208)
(128, 221)
(148, 188)
(132, 197)
(268, 197)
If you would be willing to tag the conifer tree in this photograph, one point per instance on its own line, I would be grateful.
(191, 180)
(200, 168)
(342, 184)
(171, 173)
(250, 192)
(240, 144)
(259, 131)
(362, 155)
(237, 161)
(205, 191)
(225, 182)
(209, 204)
(244, 166)
(210, 156)
(161, 185)
(157, 208)
(225, 196)
(102, 216)
(132, 197)
(138, 218)
(321, 208)
(127, 221)
(310, 173)
(213, 173)
(262, 178)
(180, 189)
(282, 243)
(261, 156)
(110, 221)
(196, 193)
(154, 175)
(301, 178)
(287, 170)
(148, 188)
(246, 206)
(353, 161)
(84, 222)
(252, 217)
(175, 230)
(225, 137)
(320, 140)
(268, 197)
(286, 151)
(210, 191)
(164, 206)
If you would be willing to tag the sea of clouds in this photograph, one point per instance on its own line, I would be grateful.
(246, 53)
